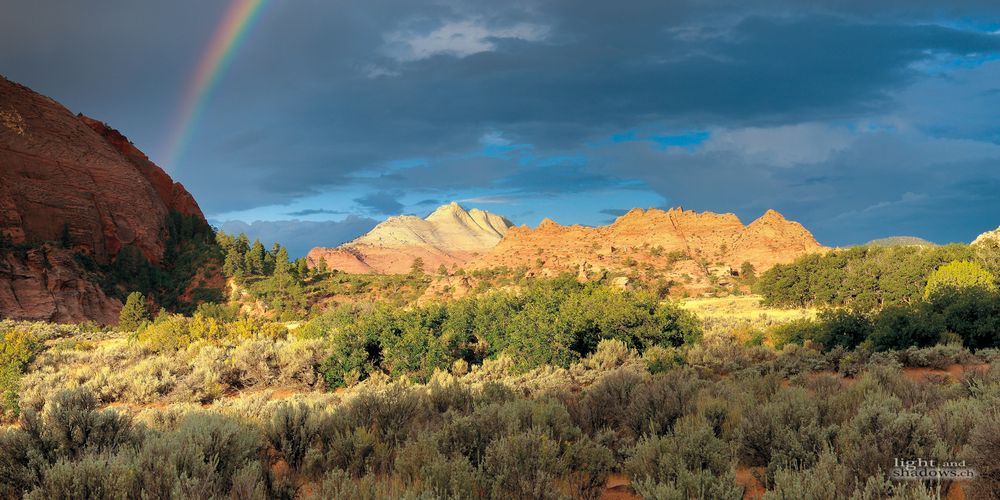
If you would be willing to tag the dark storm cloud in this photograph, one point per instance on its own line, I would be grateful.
(329, 95)
(580, 86)
(615, 212)
(314, 211)
(381, 203)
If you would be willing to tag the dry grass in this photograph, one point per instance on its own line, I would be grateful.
(743, 307)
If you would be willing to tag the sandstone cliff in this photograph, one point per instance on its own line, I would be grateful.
(691, 248)
(450, 236)
(70, 185)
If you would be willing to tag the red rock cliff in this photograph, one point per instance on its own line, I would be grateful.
(68, 185)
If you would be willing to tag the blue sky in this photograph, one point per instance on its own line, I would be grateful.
(858, 119)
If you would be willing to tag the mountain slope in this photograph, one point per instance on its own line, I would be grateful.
(450, 236)
(73, 190)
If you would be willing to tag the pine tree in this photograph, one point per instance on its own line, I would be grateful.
(242, 244)
(281, 265)
(417, 267)
(322, 267)
(133, 314)
(747, 273)
(255, 259)
(302, 268)
(235, 265)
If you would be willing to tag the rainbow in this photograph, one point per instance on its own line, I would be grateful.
(239, 17)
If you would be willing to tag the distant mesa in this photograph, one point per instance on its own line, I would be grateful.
(901, 241)
(696, 249)
(681, 245)
(451, 235)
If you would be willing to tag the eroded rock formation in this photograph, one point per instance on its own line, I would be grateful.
(72, 187)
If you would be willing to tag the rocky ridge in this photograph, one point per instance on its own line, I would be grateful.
(694, 249)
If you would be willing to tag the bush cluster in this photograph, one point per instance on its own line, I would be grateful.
(552, 322)
(862, 278)
(971, 316)
(17, 349)
(679, 433)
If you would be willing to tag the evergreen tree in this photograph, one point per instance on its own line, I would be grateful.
(417, 267)
(133, 314)
(235, 265)
(301, 268)
(747, 273)
(242, 244)
(322, 267)
(270, 259)
(281, 265)
(255, 259)
(225, 241)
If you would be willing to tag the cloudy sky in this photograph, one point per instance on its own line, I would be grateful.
(860, 119)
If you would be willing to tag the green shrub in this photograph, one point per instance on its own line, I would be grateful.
(17, 349)
(134, 313)
(420, 465)
(861, 278)
(690, 462)
(293, 429)
(883, 431)
(388, 413)
(795, 332)
(22, 463)
(201, 458)
(92, 476)
(613, 390)
(70, 425)
(984, 447)
(660, 359)
(656, 405)
(358, 452)
(785, 433)
(899, 327)
(588, 465)
(524, 465)
(338, 484)
(973, 314)
(827, 479)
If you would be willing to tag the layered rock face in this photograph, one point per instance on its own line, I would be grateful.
(450, 236)
(72, 185)
(674, 244)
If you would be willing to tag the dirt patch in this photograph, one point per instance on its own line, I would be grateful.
(619, 488)
(747, 477)
(956, 492)
(952, 372)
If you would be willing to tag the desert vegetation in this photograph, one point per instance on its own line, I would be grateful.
(246, 412)
(870, 278)
(536, 388)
